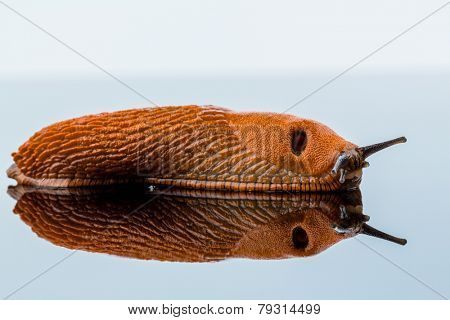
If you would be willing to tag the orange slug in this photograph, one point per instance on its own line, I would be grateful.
(197, 147)
(192, 226)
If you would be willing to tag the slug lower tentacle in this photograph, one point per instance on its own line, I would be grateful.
(191, 147)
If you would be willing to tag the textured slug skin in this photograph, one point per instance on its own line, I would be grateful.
(181, 227)
(189, 146)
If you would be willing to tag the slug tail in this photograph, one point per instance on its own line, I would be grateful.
(15, 173)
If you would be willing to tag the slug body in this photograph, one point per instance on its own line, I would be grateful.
(191, 147)
(193, 225)
(183, 227)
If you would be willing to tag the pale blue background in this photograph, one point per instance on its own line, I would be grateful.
(269, 57)
(405, 192)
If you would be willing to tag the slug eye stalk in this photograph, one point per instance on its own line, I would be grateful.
(371, 231)
(355, 223)
(374, 148)
(355, 159)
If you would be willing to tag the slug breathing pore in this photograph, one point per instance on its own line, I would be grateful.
(197, 147)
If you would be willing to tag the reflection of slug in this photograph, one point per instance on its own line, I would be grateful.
(192, 147)
(183, 226)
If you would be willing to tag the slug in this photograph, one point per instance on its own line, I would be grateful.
(197, 147)
(183, 225)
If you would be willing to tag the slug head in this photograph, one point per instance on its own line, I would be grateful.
(301, 233)
(304, 147)
(301, 146)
